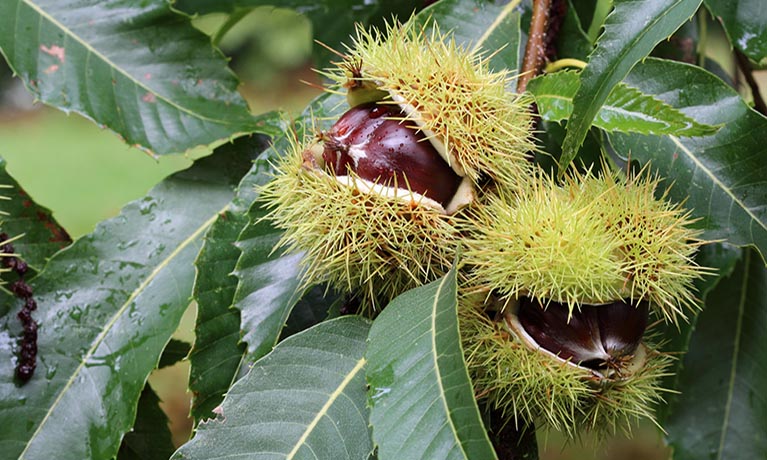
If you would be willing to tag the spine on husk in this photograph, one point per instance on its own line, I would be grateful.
(559, 280)
(562, 282)
(375, 201)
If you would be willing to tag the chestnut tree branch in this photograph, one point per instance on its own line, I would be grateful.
(745, 67)
(535, 50)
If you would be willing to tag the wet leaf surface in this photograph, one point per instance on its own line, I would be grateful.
(419, 382)
(304, 400)
(135, 67)
(108, 305)
(631, 31)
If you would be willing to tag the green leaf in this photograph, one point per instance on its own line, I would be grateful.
(720, 178)
(572, 40)
(268, 282)
(419, 382)
(108, 305)
(720, 257)
(631, 31)
(218, 356)
(19, 214)
(174, 351)
(626, 109)
(134, 67)
(150, 437)
(745, 22)
(305, 400)
(491, 27)
(217, 351)
(722, 411)
(333, 20)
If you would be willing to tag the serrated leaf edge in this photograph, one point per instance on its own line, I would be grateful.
(324, 410)
(716, 181)
(611, 106)
(112, 65)
(573, 140)
(108, 327)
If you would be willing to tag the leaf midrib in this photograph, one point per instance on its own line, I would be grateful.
(437, 369)
(717, 182)
(735, 353)
(326, 407)
(610, 71)
(497, 22)
(113, 320)
(627, 49)
(119, 69)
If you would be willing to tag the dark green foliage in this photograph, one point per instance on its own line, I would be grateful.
(272, 368)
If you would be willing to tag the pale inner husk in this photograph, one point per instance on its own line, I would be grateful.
(463, 196)
(439, 144)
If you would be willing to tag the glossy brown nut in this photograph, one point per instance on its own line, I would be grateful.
(596, 336)
(367, 141)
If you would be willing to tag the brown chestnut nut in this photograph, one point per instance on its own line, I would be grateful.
(595, 336)
(375, 142)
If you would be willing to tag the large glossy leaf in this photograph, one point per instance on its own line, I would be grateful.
(268, 282)
(492, 27)
(745, 22)
(22, 216)
(626, 109)
(422, 400)
(305, 400)
(631, 31)
(150, 437)
(216, 355)
(108, 305)
(572, 40)
(720, 177)
(333, 21)
(134, 67)
(722, 411)
(721, 258)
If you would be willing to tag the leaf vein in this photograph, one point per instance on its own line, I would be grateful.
(716, 182)
(113, 320)
(90, 49)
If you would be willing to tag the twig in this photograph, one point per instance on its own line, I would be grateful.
(535, 50)
(745, 67)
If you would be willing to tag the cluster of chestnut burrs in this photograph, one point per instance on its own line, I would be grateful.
(559, 279)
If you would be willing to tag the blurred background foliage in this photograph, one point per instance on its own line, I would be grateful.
(85, 174)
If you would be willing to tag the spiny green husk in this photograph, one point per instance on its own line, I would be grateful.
(592, 240)
(658, 240)
(543, 244)
(372, 246)
(530, 386)
(485, 128)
